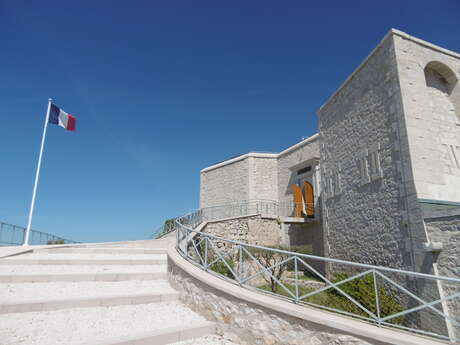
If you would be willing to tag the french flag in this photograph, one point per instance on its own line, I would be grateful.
(61, 118)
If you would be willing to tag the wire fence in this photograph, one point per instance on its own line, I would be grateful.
(13, 235)
(410, 301)
(263, 208)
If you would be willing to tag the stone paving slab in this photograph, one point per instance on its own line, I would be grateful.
(79, 262)
(163, 336)
(96, 301)
(89, 269)
(99, 325)
(207, 340)
(101, 250)
(95, 256)
(23, 292)
(78, 277)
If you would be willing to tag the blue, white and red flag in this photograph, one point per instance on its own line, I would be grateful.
(61, 118)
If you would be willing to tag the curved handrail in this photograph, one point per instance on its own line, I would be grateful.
(388, 283)
(13, 235)
(264, 208)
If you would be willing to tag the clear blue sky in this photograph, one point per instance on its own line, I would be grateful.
(162, 89)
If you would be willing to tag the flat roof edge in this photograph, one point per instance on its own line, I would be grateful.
(426, 43)
(391, 32)
(356, 70)
(262, 155)
(299, 144)
(239, 158)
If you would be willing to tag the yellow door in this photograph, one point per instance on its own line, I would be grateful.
(298, 200)
(309, 199)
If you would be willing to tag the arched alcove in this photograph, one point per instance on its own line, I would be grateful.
(444, 92)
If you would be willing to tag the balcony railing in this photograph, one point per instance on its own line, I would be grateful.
(264, 208)
(13, 235)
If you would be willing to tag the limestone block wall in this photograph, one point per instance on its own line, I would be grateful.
(251, 229)
(260, 176)
(263, 178)
(268, 232)
(252, 176)
(446, 229)
(224, 184)
(306, 151)
(431, 98)
(364, 147)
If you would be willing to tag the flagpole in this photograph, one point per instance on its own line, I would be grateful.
(37, 174)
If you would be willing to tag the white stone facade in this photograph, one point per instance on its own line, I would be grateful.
(361, 142)
(225, 184)
(388, 141)
(428, 77)
(388, 147)
(260, 176)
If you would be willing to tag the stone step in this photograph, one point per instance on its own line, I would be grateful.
(90, 269)
(20, 260)
(154, 323)
(134, 244)
(77, 277)
(164, 336)
(205, 340)
(101, 250)
(86, 302)
(25, 292)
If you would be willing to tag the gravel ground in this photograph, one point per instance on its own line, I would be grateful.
(89, 256)
(73, 326)
(56, 269)
(208, 340)
(18, 292)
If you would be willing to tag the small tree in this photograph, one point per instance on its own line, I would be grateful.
(169, 224)
(273, 261)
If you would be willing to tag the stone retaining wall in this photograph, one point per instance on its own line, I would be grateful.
(250, 324)
(251, 318)
(252, 229)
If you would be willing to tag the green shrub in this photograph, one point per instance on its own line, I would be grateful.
(307, 250)
(221, 268)
(55, 242)
(302, 249)
(363, 291)
(360, 289)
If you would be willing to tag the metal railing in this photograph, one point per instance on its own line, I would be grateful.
(422, 303)
(264, 208)
(13, 235)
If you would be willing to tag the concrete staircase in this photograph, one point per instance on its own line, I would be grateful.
(98, 294)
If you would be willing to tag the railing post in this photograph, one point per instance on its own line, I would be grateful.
(240, 264)
(205, 253)
(296, 280)
(377, 304)
(177, 235)
(12, 234)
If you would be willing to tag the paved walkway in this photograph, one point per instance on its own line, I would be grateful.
(95, 294)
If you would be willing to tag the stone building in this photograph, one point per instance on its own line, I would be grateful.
(383, 172)
(268, 179)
